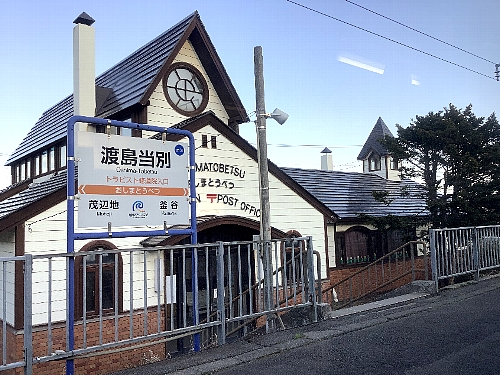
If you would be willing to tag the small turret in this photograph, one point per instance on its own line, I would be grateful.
(376, 158)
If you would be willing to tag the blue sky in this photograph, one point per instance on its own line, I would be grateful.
(330, 103)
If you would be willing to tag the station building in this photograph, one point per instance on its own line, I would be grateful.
(150, 86)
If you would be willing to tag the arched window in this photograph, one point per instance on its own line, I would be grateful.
(356, 245)
(98, 280)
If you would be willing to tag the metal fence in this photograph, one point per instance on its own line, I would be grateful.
(150, 298)
(462, 251)
(401, 266)
(8, 267)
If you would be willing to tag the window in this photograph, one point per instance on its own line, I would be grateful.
(52, 159)
(360, 245)
(22, 172)
(185, 89)
(15, 173)
(28, 168)
(125, 132)
(355, 246)
(204, 141)
(44, 162)
(96, 285)
(37, 165)
(62, 156)
(374, 162)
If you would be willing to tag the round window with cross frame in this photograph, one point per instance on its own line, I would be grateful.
(185, 89)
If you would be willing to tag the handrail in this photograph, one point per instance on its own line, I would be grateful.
(372, 265)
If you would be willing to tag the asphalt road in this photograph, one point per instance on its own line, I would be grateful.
(456, 332)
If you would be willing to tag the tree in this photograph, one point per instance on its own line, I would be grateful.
(457, 156)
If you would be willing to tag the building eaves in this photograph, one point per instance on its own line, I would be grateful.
(40, 195)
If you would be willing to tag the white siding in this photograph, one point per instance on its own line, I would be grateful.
(234, 193)
(7, 249)
(228, 184)
(46, 235)
(331, 245)
(161, 113)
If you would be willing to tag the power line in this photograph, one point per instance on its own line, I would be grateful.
(389, 39)
(418, 31)
(285, 145)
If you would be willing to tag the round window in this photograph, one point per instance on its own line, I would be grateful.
(185, 89)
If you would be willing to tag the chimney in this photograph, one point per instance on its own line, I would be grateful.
(326, 160)
(84, 67)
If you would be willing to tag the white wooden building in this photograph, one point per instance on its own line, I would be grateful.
(144, 88)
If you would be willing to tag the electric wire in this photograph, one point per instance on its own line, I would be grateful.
(390, 39)
(418, 31)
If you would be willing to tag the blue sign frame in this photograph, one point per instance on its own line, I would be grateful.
(72, 235)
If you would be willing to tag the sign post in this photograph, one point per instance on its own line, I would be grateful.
(127, 182)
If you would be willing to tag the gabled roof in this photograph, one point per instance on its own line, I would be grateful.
(379, 131)
(349, 194)
(132, 81)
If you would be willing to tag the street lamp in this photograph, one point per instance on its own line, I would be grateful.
(260, 124)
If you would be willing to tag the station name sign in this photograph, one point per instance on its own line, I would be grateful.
(128, 181)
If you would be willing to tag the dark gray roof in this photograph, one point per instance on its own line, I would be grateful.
(40, 188)
(379, 131)
(131, 81)
(131, 77)
(349, 194)
(126, 82)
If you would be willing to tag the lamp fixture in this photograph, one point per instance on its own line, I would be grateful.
(277, 115)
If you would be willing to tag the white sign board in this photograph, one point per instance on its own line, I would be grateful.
(128, 181)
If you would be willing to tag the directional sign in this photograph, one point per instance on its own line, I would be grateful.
(129, 181)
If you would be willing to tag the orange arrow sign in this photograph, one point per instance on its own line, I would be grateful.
(133, 190)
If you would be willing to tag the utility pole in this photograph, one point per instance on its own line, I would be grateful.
(265, 222)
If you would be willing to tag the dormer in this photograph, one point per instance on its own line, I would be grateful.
(376, 159)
